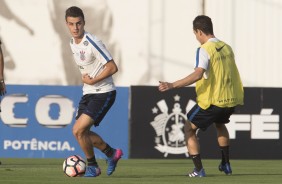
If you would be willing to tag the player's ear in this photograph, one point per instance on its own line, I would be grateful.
(200, 32)
(66, 19)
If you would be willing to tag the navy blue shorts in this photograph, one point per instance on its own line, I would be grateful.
(204, 118)
(96, 105)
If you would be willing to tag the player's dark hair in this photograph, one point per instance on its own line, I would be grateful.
(203, 23)
(74, 12)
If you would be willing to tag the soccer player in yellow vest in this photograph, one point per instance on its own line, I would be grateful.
(219, 90)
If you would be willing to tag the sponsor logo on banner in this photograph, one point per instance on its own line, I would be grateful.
(169, 127)
(38, 145)
(37, 121)
(42, 110)
(261, 126)
(157, 124)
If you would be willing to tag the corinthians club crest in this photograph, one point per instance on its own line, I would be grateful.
(169, 128)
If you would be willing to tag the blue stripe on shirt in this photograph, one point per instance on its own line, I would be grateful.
(197, 57)
(98, 48)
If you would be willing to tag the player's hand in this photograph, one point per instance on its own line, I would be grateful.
(164, 86)
(86, 79)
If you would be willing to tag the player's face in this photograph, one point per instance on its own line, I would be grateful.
(76, 26)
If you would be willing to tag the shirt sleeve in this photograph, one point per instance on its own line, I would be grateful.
(202, 59)
(100, 50)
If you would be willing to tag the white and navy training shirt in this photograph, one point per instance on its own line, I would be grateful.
(90, 56)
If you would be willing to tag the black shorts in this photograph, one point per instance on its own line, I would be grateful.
(204, 118)
(96, 105)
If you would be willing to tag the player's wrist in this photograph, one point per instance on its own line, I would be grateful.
(2, 81)
(171, 85)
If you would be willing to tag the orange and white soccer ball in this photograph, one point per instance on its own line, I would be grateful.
(74, 166)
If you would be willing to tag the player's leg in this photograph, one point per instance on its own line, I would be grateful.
(97, 107)
(222, 117)
(81, 131)
(223, 142)
(113, 155)
(104, 102)
(198, 118)
(86, 139)
(194, 150)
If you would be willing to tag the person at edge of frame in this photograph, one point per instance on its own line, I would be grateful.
(2, 81)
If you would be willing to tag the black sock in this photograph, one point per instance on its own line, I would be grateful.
(197, 162)
(108, 151)
(224, 154)
(92, 161)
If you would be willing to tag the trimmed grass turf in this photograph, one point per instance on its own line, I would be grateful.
(141, 171)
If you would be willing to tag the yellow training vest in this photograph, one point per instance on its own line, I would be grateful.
(223, 86)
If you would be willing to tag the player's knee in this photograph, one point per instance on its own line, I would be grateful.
(77, 133)
(188, 129)
(220, 127)
(74, 132)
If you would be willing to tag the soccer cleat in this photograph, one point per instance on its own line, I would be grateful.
(112, 161)
(92, 171)
(195, 173)
(226, 168)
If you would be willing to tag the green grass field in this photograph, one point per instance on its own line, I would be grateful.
(160, 171)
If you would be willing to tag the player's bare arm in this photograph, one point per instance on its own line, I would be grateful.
(2, 82)
(190, 79)
(110, 69)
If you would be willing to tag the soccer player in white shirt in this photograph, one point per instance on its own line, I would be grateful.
(97, 67)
